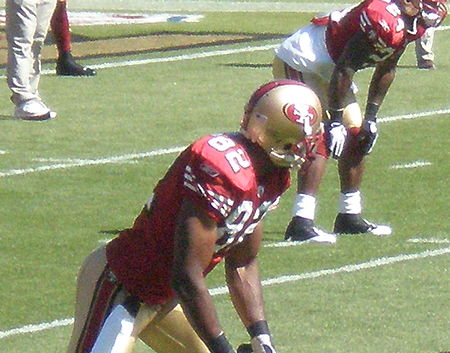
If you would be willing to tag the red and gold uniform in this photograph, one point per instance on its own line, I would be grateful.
(218, 174)
(207, 207)
(382, 22)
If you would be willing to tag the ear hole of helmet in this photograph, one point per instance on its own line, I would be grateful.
(254, 127)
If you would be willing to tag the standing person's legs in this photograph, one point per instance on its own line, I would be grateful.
(44, 11)
(424, 50)
(21, 22)
(66, 64)
(351, 170)
(301, 226)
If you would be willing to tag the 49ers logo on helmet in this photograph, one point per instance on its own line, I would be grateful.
(303, 114)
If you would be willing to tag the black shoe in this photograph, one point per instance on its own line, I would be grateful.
(67, 66)
(347, 223)
(245, 348)
(302, 229)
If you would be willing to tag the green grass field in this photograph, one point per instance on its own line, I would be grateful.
(69, 184)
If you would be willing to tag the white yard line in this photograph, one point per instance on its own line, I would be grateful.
(383, 261)
(416, 164)
(168, 59)
(74, 163)
(428, 241)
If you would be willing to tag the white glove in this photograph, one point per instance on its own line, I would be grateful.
(335, 133)
(262, 344)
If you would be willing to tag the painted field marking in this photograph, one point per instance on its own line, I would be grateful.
(182, 57)
(428, 241)
(416, 164)
(383, 261)
(72, 163)
(36, 328)
(286, 244)
(89, 162)
(168, 59)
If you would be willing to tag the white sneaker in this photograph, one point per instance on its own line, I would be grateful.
(33, 110)
(380, 230)
(322, 237)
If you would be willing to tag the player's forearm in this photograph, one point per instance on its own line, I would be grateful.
(198, 306)
(381, 82)
(246, 292)
(340, 84)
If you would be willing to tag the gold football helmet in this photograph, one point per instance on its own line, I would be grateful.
(284, 118)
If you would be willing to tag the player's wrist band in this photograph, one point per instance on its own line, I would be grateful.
(336, 114)
(371, 111)
(258, 328)
(220, 344)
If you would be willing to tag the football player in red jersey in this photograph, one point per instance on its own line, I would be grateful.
(66, 64)
(325, 55)
(207, 207)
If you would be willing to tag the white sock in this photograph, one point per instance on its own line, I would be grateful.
(350, 202)
(304, 206)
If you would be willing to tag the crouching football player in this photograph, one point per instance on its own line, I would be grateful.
(148, 282)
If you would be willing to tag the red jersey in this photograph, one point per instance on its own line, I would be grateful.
(219, 173)
(382, 22)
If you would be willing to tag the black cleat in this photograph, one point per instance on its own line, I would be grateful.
(67, 66)
(302, 229)
(347, 223)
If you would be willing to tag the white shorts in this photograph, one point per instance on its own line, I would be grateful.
(306, 51)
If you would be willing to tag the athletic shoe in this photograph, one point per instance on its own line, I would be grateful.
(302, 229)
(33, 110)
(67, 66)
(426, 65)
(346, 223)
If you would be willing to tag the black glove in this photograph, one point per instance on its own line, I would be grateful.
(260, 341)
(258, 344)
(245, 348)
(368, 136)
(220, 344)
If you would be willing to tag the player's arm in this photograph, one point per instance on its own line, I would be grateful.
(243, 280)
(382, 79)
(355, 55)
(194, 247)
